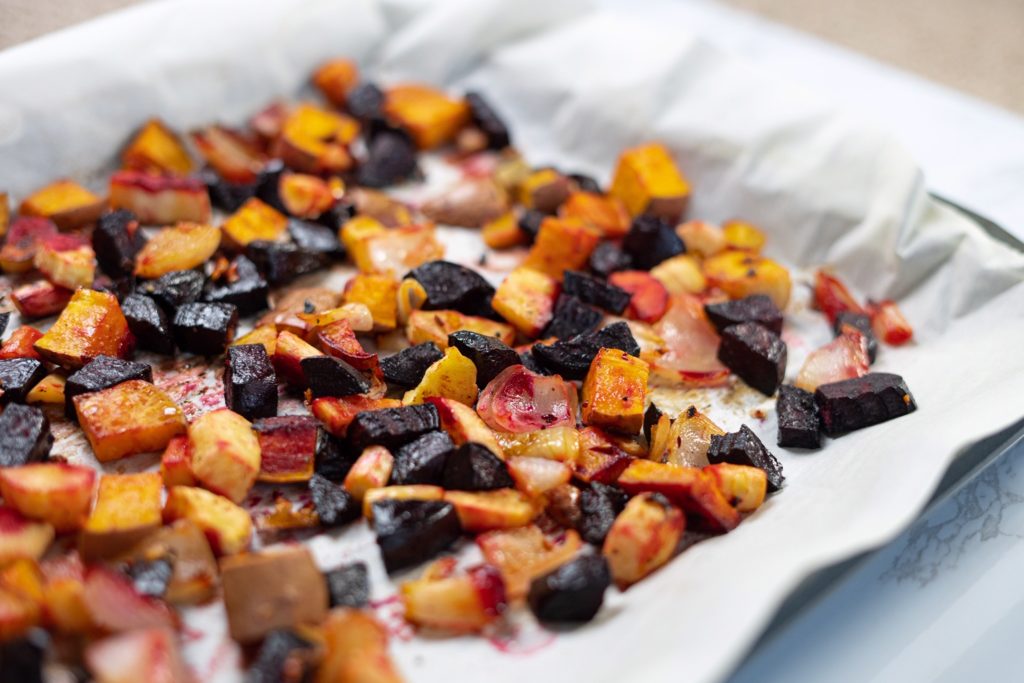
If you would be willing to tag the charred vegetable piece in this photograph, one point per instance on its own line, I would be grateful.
(101, 373)
(861, 402)
(5, 318)
(151, 577)
(334, 505)
(406, 367)
(17, 377)
(473, 467)
(571, 358)
(316, 238)
(330, 376)
(205, 329)
(411, 531)
(22, 659)
(392, 427)
(591, 290)
(572, 593)
(599, 506)
(530, 222)
(391, 159)
(365, 101)
(250, 383)
(283, 656)
(148, 323)
(247, 291)
(175, 289)
(608, 258)
(334, 458)
(756, 354)
(651, 417)
(572, 317)
(282, 262)
(862, 323)
(451, 286)
(116, 240)
(348, 585)
(757, 308)
(650, 241)
(27, 436)
(798, 418)
(487, 120)
(744, 448)
(422, 461)
(225, 194)
(288, 447)
(490, 355)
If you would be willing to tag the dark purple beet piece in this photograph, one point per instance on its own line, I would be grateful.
(530, 362)
(283, 656)
(486, 118)
(330, 376)
(798, 418)
(451, 286)
(651, 417)
(282, 262)
(406, 367)
(334, 458)
(411, 531)
(650, 241)
(600, 504)
(744, 448)
(247, 291)
(26, 435)
(608, 258)
(530, 222)
(573, 593)
(250, 383)
(571, 358)
(591, 290)
(756, 354)
(863, 401)
(586, 183)
(101, 373)
(174, 290)
(205, 329)
(148, 323)
(390, 159)
(5, 318)
(316, 238)
(267, 183)
(490, 355)
(572, 317)
(473, 467)
(334, 505)
(861, 323)
(757, 308)
(224, 194)
(22, 659)
(348, 585)
(17, 377)
(392, 427)
(422, 461)
(116, 241)
(365, 101)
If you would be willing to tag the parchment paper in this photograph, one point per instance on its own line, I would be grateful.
(578, 86)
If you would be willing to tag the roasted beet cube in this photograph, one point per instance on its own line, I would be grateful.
(250, 383)
(224, 194)
(756, 354)
(334, 505)
(148, 323)
(530, 222)
(571, 358)
(334, 458)
(392, 427)
(744, 448)
(316, 238)
(757, 308)
(862, 323)
(101, 373)
(487, 120)
(115, 240)
(390, 159)
(282, 262)
(650, 241)
(26, 435)
(17, 377)
(586, 183)
(422, 461)
(289, 445)
(247, 290)
(572, 317)
(651, 417)
(591, 290)
(205, 329)
(333, 219)
(406, 367)
(600, 504)
(490, 355)
(151, 576)
(797, 413)
(5, 318)
(22, 659)
(863, 401)
(411, 531)
(175, 289)
(365, 102)
(348, 585)
(451, 286)
(267, 183)
(608, 258)
(330, 376)
(283, 656)
(473, 467)
(573, 593)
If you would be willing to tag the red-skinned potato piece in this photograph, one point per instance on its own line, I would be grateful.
(519, 400)
(22, 538)
(743, 486)
(462, 603)
(888, 323)
(114, 605)
(145, 655)
(642, 538)
(225, 453)
(648, 297)
(21, 343)
(158, 199)
(691, 344)
(692, 489)
(66, 203)
(526, 299)
(40, 299)
(463, 424)
(24, 236)
(54, 492)
(92, 324)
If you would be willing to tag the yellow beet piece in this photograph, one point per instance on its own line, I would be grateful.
(544, 189)
(647, 181)
(70, 268)
(128, 418)
(607, 214)
(743, 236)
(49, 391)
(64, 202)
(180, 247)
(430, 116)
(562, 244)
(454, 377)
(227, 527)
(681, 275)
(315, 140)
(379, 293)
(156, 149)
(92, 324)
(741, 274)
(253, 221)
(127, 508)
(335, 79)
(526, 298)
(225, 453)
(614, 392)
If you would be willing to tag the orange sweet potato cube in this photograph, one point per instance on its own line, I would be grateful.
(128, 418)
(430, 116)
(160, 199)
(64, 202)
(253, 221)
(156, 149)
(71, 267)
(614, 392)
(227, 527)
(127, 509)
(335, 79)
(503, 232)
(379, 293)
(92, 324)
(562, 244)
(647, 181)
(225, 453)
(741, 274)
(607, 214)
(181, 247)
(176, 463)
(526, 298)
(315, 140)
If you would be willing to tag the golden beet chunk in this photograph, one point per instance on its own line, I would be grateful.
(743, 236)
(225, 453)
(128, 418)
(5, 213)
(561, 245)
(335, 79)
(306, 196)
(526, 298)
(741, 274)
(429, 115)
(614, 392)
(180, 247)
(227, 527)
(64, 202)
(435, 326)
(647, 181)
(379, 293)
(488, 510)
(503, 232)
(453, 377)
(127, 508)
(315, 140)
(253, 221)
(607, 214)
(156, 149)
(92, 324)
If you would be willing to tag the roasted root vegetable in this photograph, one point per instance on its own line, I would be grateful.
(518, 400)
(393, 251)
(457, 602)
(21, 344)
(91, 325)
(194, 576)
(526, 299)
(127, 508)
(337, 412)
(684, 441)
(691, 488)
(888, 323)
(559, 442)
(561, 244)
(102, 373)
(544, 190)
(863, 401)
(701, 238)
(536, 476)
(144, 655)
(17, 377)
(156, 149)
(233, 156)
(614, 392)
(430, 116)
(832, 297)
(22, 538)
(463, 424)
(523, 554)
(845, 357)
(49, 390)
(66, 262)
(357, 650)
(743, 236)
(607, 214)
(64, 202)
(228, 528)
(27, 434)
(690, 343)
(305, 196)
(643, 538)
(24, 236)
(647, 181)
(176, 463)
(453, 377)
(181, 247)
(225, 453)
(254, 220)
(315, 140)
(57, 493)
(250, 383)
(573, 592)
(756, 354)
(372, 470)
(128, 418)
(742, 447)
(378, 293)
(159, 199)
(335, 79)
(411, 531)
(743, 486)
(488, 510)
(470, 204)
(503, 232)
(740, 274)
(436, 326)
(288, 447)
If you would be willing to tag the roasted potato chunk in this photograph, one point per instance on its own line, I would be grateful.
(526, 298)
(92, 324)
(176, 463)
(607, 214)
(743, 486)
(392, 251)
(40, 299)
(22, 538)
(435, 326)
(430, 116)
(315, 140)
(680, 275)
(642, 538)
(23, 240)
(50, 391)
(160, 199)
(64, 202)
(225, 453)
(253, 221)
(371, 471)
(523, 554)
(614, 392)
(54, 492)
(127, 509)
(379, 293)
(487, 510)
(305, 196)
(181, 247)
(454, 377)
(562, 244)
(228, 528)
(741, 274)
(233, 156)
(128, 418)
(67, 264)
(156, 149)
(647, 181)
(357, 650)
(462, 603)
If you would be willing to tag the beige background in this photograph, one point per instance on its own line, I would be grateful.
(976, 46)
